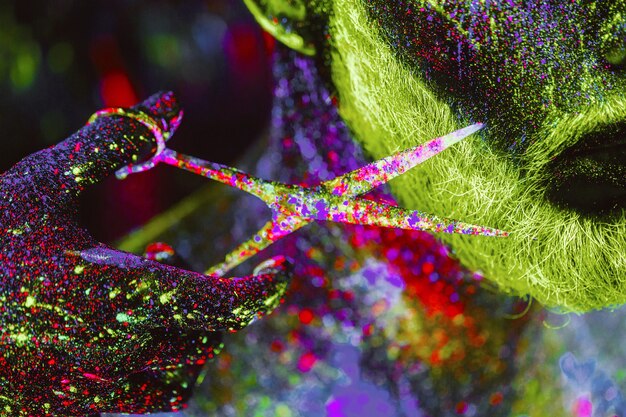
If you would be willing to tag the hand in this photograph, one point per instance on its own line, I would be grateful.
(86, 328)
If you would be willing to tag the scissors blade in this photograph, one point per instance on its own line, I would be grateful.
(275, 229)
(368, 212)
(363, 180)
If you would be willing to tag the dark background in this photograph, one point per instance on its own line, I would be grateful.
(62, 60)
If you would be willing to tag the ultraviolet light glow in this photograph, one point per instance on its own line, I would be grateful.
(295, 206)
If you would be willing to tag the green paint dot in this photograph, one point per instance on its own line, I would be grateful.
(25, 65)
(283, 411)
(165, 297)
(122, 317)
(30, 301)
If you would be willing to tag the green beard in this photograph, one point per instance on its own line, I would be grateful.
(557, 256)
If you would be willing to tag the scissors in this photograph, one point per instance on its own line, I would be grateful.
(294, 206)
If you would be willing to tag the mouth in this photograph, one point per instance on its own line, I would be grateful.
(590, 177)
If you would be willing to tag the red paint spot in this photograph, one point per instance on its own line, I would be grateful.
(496, 398)
(91, 376)
(306, 316)
(461, 407)
(428, 268)
(306, 362)
(277, 346)
(159, 247)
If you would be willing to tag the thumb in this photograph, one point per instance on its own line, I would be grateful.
(101, 147)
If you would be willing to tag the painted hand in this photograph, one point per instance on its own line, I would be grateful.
(86, 328)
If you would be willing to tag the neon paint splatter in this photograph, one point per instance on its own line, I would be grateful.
(85, 328)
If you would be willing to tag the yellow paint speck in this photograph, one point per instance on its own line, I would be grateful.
(122, 317)
(30, 301)
(166, 297)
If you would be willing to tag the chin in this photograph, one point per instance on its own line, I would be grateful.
(567, 223)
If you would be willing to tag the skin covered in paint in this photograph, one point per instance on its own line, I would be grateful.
(86, 328)
(547, 80)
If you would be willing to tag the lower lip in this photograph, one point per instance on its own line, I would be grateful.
(590, 178)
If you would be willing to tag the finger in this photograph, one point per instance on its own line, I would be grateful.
(217, 303)
(151, 294)
(98, 149)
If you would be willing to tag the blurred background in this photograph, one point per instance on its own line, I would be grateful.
(61, 61)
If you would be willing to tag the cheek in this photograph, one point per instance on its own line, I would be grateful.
(425, 39)
(504, 63)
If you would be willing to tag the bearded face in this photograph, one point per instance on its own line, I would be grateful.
(549, 81)
(524, 68)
